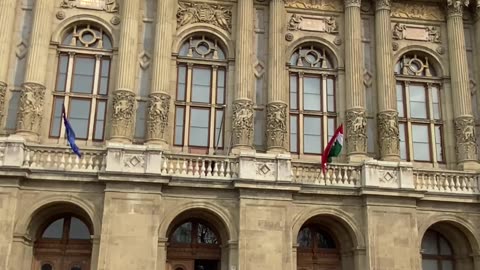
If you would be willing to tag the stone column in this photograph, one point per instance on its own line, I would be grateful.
(123, 114)
(7, 20)
(277, 114)
(464, 122)
(159, 102)
(32, 99)
(387, 118)
(355, 118)
(242, 126)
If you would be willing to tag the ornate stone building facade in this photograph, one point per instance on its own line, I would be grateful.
(202, 123)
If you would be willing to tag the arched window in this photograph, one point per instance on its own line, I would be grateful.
(419, 109)
(317, 249)
(63, 243)
(312, 100)
(83, 75)
(200, 99)
(194, 245)
(436, 251)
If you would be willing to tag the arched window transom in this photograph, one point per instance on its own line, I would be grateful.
(436, 251)
(317, 249)
(418, 91)
(312, 99)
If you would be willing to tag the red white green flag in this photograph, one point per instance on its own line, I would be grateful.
(334, 147)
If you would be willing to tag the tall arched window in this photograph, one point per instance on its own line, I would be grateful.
(419, 109)
(82, 83)
(312, 99)
(194, 245)
(200, 99)
(437, 253)
(317, 249)
(63, 243)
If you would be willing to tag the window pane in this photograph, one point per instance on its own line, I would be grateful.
(403, 142)
(436, 103)
(54, 230)
(400, 105)
(201, 85)
(430, 265)
(312, 140)
(84, 69)
(183, 234)
(445, 247)
(438, 143)
(205, 235)
(331, 127)
(179, 118)
(100, 120)
(293, 134)
(182, 70)
(104, 76)
(330, 94)
(311, 94)
(220, 86)
(79, 116)
(219, 129)
(62, 72)
(421, 143)
(78, 229)
(447, 265)
(429, 243)
(418, 106)
(57, 117)
(324, 240)
(293, 92)
(259, 128)
(304, 238)
(199, 128)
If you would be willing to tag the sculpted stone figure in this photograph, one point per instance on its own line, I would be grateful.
(123, 113)
(356, 130)
(277, 125)
(331, 25)
(388, 133)
(466, 139)
(158, 109)
(111, 6)
(294, 22)
(217, 15)
(31, 107)
(242, 122)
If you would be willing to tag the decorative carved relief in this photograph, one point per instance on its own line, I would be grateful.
(110, 6)
(22, 49)
(277, 125)
(388, 177)
(123, 113)
(416, 11)
(3, 91)
(352, 3)
(134, 161)
(218, 15)
(416, 32)
(312, 23)
(455, 7)
(242, 122)
(158, 109)
(388, 134)
(31, 107)
(465, 134)
(382, 4)
(327, 5)
(356, 131)
(60, 15)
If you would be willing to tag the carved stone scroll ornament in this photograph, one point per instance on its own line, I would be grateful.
(356, 131)
(3, 91)
(123, 113)
(455, 7)
(382, 4)
(388, 134)
(31, 107)
(326, 5)
(110, 6)
(416, 32)
(466, 140)
(312, 23)
(277, 125)
(352, 3)
(158, 109)
(218, 15)
(243, 122)
(412, 10)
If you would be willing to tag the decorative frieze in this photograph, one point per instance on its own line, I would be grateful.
(218, 15)
(123, 113)
(31, 107)
(110, 6)
(312, 23)
(325, 5)
(416, 32)
(242, 122)
(388, 134)
(157, 119)
(277, 125)
(356, 123)
(421, 11)
(466, 140)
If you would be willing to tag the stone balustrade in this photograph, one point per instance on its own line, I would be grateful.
(151, 160)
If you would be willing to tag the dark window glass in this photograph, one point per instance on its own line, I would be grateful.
(219, 129)
(57, 117)
(183, 234)
(182, 72)
(179, 118)
(312, 94)
(54, 230)
(304, 238)
(293, 92)
(100, 119)
(78, 229)
(47, 266)
(79, 116)
(104, 76)
(330, 94)
(205, 235)
(293, 134)
(62, 72)
(418, 101)
(312, 135)
(221, 86)
(199, 127)
(421, 143)
(83, 74)
(201, 83)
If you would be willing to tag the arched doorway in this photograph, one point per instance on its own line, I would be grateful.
(437, 252)
(317, 249)
(194, 244)
(63, 243)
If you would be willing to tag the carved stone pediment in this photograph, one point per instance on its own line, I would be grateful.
(422, 11)
(312, 23)
(110, 6)
(416, 32)
(218, 15)
(326, 5)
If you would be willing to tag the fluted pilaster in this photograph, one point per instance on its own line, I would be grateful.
(356, 122)
(124, 97)
(387, 119)
(159, 103)
(462, 107)
(277, 135)
(33, 92)
(7, 20)
(244, 84)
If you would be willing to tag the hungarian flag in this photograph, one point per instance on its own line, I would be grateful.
(333, 148)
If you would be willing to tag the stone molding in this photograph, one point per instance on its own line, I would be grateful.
(157, 116)
(388, 133)
(466, 138)
(242, 123)
(123, 113)
(356, 125)
(277, 134)
(31, 108)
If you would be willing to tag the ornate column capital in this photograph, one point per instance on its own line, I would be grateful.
(352, 3)
(466, 139)
(157, 116)
(123, 114)
(31, 108)
(388, 134)
(356, 124)
(455, 7)
(243, 122)
(277, 135)
(383, 5)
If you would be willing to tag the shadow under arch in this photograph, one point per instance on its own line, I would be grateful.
(339, 222)
(215, 215)
(437, 60)
(30, 222)
(186, 31)
(64, 26)
(331, 48)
